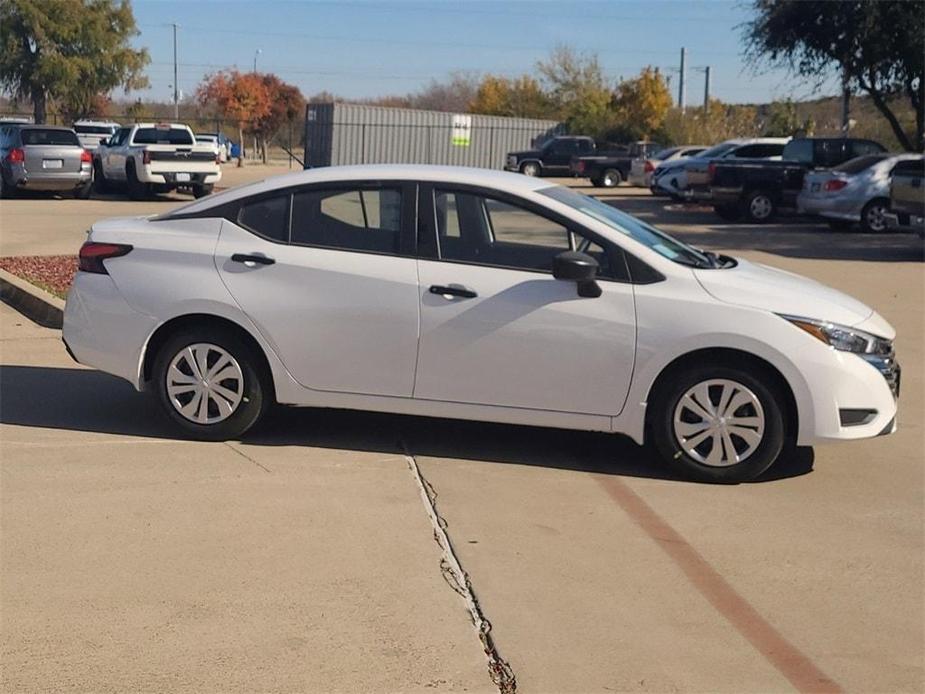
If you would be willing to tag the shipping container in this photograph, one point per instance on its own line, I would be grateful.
(339, 134)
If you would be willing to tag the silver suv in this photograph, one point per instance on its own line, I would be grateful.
(43, 157)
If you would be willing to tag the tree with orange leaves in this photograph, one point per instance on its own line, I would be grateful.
(242, 97)
(286, 103)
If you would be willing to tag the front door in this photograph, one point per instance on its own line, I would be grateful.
(332, 292)
(498, 329)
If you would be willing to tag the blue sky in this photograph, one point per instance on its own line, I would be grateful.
(363, 49)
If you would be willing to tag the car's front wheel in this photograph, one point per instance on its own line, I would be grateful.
(530, 169)
(718, 424)
(211, 383)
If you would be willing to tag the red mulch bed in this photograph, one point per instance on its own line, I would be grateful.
(53, 273)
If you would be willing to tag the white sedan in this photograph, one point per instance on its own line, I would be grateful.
(472, 294)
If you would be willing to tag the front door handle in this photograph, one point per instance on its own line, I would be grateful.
(252, 260)
(453, 290)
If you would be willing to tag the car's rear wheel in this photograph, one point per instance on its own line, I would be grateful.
(611, 178)
(873, 216)
(211, 383)
(136, 189)
(760, 207)
(99, 180)
(201, 191)
(728, 213)
(718, 424)
(530, 168)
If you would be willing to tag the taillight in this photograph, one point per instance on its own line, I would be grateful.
(86, 157)
(93, 254)
(711, 170)
(833, 185)
(649, 167)
(16, 156)
(146, 157)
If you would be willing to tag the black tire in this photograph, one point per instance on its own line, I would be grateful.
(136, 189)
(256, 389)
(840, 225)
(728, 213)
(203, 190)
(100, 184)
(611, 178)
(661, 419)
(530, 168)
(83, 192)
(872, 221)
(759, 207)
(6, 190)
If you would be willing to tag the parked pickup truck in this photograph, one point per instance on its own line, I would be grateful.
(152, 158)
(550, 159)
(611, 168)
(759, 189)
(907, 197)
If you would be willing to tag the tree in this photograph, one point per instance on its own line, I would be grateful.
(453, 95)
(877, 47)
(286, 104)
(521, 97)
(72, 51)
(576, 85)
(242, 97)
(642, 104)
(705, 127)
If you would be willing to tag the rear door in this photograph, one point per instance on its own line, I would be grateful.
(51, 151)
(335, 291)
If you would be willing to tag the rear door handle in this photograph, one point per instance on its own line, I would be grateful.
(453, 290)
(252, 259)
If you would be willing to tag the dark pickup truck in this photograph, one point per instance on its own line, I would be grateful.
(757, 190)
(550, 159)
(611, 168)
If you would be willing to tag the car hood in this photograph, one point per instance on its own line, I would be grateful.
(762, 287)
(525, 153)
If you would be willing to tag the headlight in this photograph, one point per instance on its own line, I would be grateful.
(843, 338)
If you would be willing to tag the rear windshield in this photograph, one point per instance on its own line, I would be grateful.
(156, 136)
(717, 150)
(858, 164)
(95, 129)
(665, 153)
(49, 136)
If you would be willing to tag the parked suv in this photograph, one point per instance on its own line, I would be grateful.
(43, 157)
(552, 158)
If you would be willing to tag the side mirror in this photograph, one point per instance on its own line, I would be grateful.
(572, 266)
(104, 142)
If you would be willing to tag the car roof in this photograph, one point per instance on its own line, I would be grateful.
(489, 178)
(40, 126)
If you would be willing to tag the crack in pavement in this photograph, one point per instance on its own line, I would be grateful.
(247, 457)
(501, 673)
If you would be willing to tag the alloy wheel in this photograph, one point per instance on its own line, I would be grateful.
(876, 221)
(719, 422)
(205, 383)
(760, 207)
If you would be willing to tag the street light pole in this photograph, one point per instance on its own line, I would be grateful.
(176, 85)
(258, 52)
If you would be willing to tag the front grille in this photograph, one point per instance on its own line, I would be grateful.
(888, 367)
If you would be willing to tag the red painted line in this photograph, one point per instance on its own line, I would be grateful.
(802, 673)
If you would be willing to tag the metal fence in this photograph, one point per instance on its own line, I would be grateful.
(338, 134)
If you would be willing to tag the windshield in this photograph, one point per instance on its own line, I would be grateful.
(637, 230)
(42, 136)
(95, 129)
(162, 136)
(716, 151)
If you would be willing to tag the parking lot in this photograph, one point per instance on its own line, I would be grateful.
(303, 557)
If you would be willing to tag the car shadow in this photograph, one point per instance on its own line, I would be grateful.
(90, 401)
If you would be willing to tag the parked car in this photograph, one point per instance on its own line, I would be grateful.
(907, 196)
(92, 132)
(156, 158)
(610, 168)
(218, 140)
(457, 292)
(759, 189)
(43, 157)
(642, 169)
(550, 159)
(689, 179)
(856, 192)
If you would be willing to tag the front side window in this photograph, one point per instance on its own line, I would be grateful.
(473, 228)
(357, 220)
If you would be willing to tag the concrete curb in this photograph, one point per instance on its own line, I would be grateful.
(36, 304)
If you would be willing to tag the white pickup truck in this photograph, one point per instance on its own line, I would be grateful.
(152, 158)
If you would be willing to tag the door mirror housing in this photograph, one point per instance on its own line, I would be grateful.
(581, 268)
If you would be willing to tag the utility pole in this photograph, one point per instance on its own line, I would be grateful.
(681, 84)
(256, 53)
(176, 77)
(845, 105)
(706, 90)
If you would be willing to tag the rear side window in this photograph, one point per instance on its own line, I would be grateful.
(49, 136)
(859, 148)
(268, 217)
(354, 220)
(758, 151)
(162, 136)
